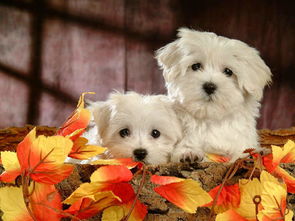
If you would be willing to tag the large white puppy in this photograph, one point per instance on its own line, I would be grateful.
(132, 125)
(217, 84)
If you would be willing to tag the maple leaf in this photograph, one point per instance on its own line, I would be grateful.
(12, 205)
(228, 198)
(117, 213)
(111, 174)
(279, 155)
(82, 151)
(231, 215)
(10, 165)
(128, 162)
(42, 158)
(184, 193)
(44, 201)
(106, 178)
(211, 157)
(274, 202)
(87, 207)
(76, 124)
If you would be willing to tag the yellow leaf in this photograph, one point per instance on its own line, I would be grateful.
(113, 213)
(187, 194)
(10, 161)
(12, 204)
(82, 151)
(273, 201)
(58, 146)
(285, 154)
(249, 189)
(90, 190)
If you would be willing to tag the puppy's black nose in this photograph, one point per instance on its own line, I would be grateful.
(209, 87)
(140, 153)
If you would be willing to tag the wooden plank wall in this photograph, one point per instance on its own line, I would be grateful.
(51, 51)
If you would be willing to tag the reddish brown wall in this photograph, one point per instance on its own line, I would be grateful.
(51, 51)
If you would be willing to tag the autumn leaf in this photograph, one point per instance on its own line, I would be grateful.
(274, 203)
(279, 155)
(162, 180)
(76, 124)
(12, 205)
(250, 193)
(113, 213)
(111, 174)
(186, 194)
(44, 201)
(231, 215)
(117, 213)
(228, 198)
(11, 166)
(82, 151)
(285, 154)
(87, 207)
(42, 158)
(217, 158)
(128, 162)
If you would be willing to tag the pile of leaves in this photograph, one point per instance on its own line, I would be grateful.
(38, 164)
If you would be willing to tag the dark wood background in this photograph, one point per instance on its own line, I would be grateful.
(51, 51)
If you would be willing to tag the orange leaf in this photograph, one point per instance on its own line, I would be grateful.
(123, 191)
(79, 120)
(139, 211)
(11, 166)
(117, 213)
(162, 180)
(186, 194)
(51, 174)
(217, 158)
(286, 154)
(111, 174)
(87, 207)
(128, 162)
(42, 158)
(230, 215)
(82, 151)
(228, 198)
(288, 179)
(45, 202)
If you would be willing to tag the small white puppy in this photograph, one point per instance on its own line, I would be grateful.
(217, 84)
(132, 125)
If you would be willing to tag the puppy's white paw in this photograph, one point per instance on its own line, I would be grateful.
(187, 155)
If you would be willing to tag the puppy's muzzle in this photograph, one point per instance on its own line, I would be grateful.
(209, 88)
(140, 153)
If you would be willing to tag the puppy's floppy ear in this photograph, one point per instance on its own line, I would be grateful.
(101, 115)
(256, 74)
(167, 57)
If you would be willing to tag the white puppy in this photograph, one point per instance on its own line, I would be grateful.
(132, 125)
(217, 84)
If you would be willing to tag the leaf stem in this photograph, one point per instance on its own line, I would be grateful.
(144, 171)
(26, 195)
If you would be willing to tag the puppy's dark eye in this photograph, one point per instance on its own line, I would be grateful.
(155, 133)
(124, 132)
(196, 66)
(228, 72)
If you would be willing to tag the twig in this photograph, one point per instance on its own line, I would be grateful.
(25, 188)
(138, 192)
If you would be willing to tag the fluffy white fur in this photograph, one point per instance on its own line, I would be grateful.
(140, 115)
(225, 121)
